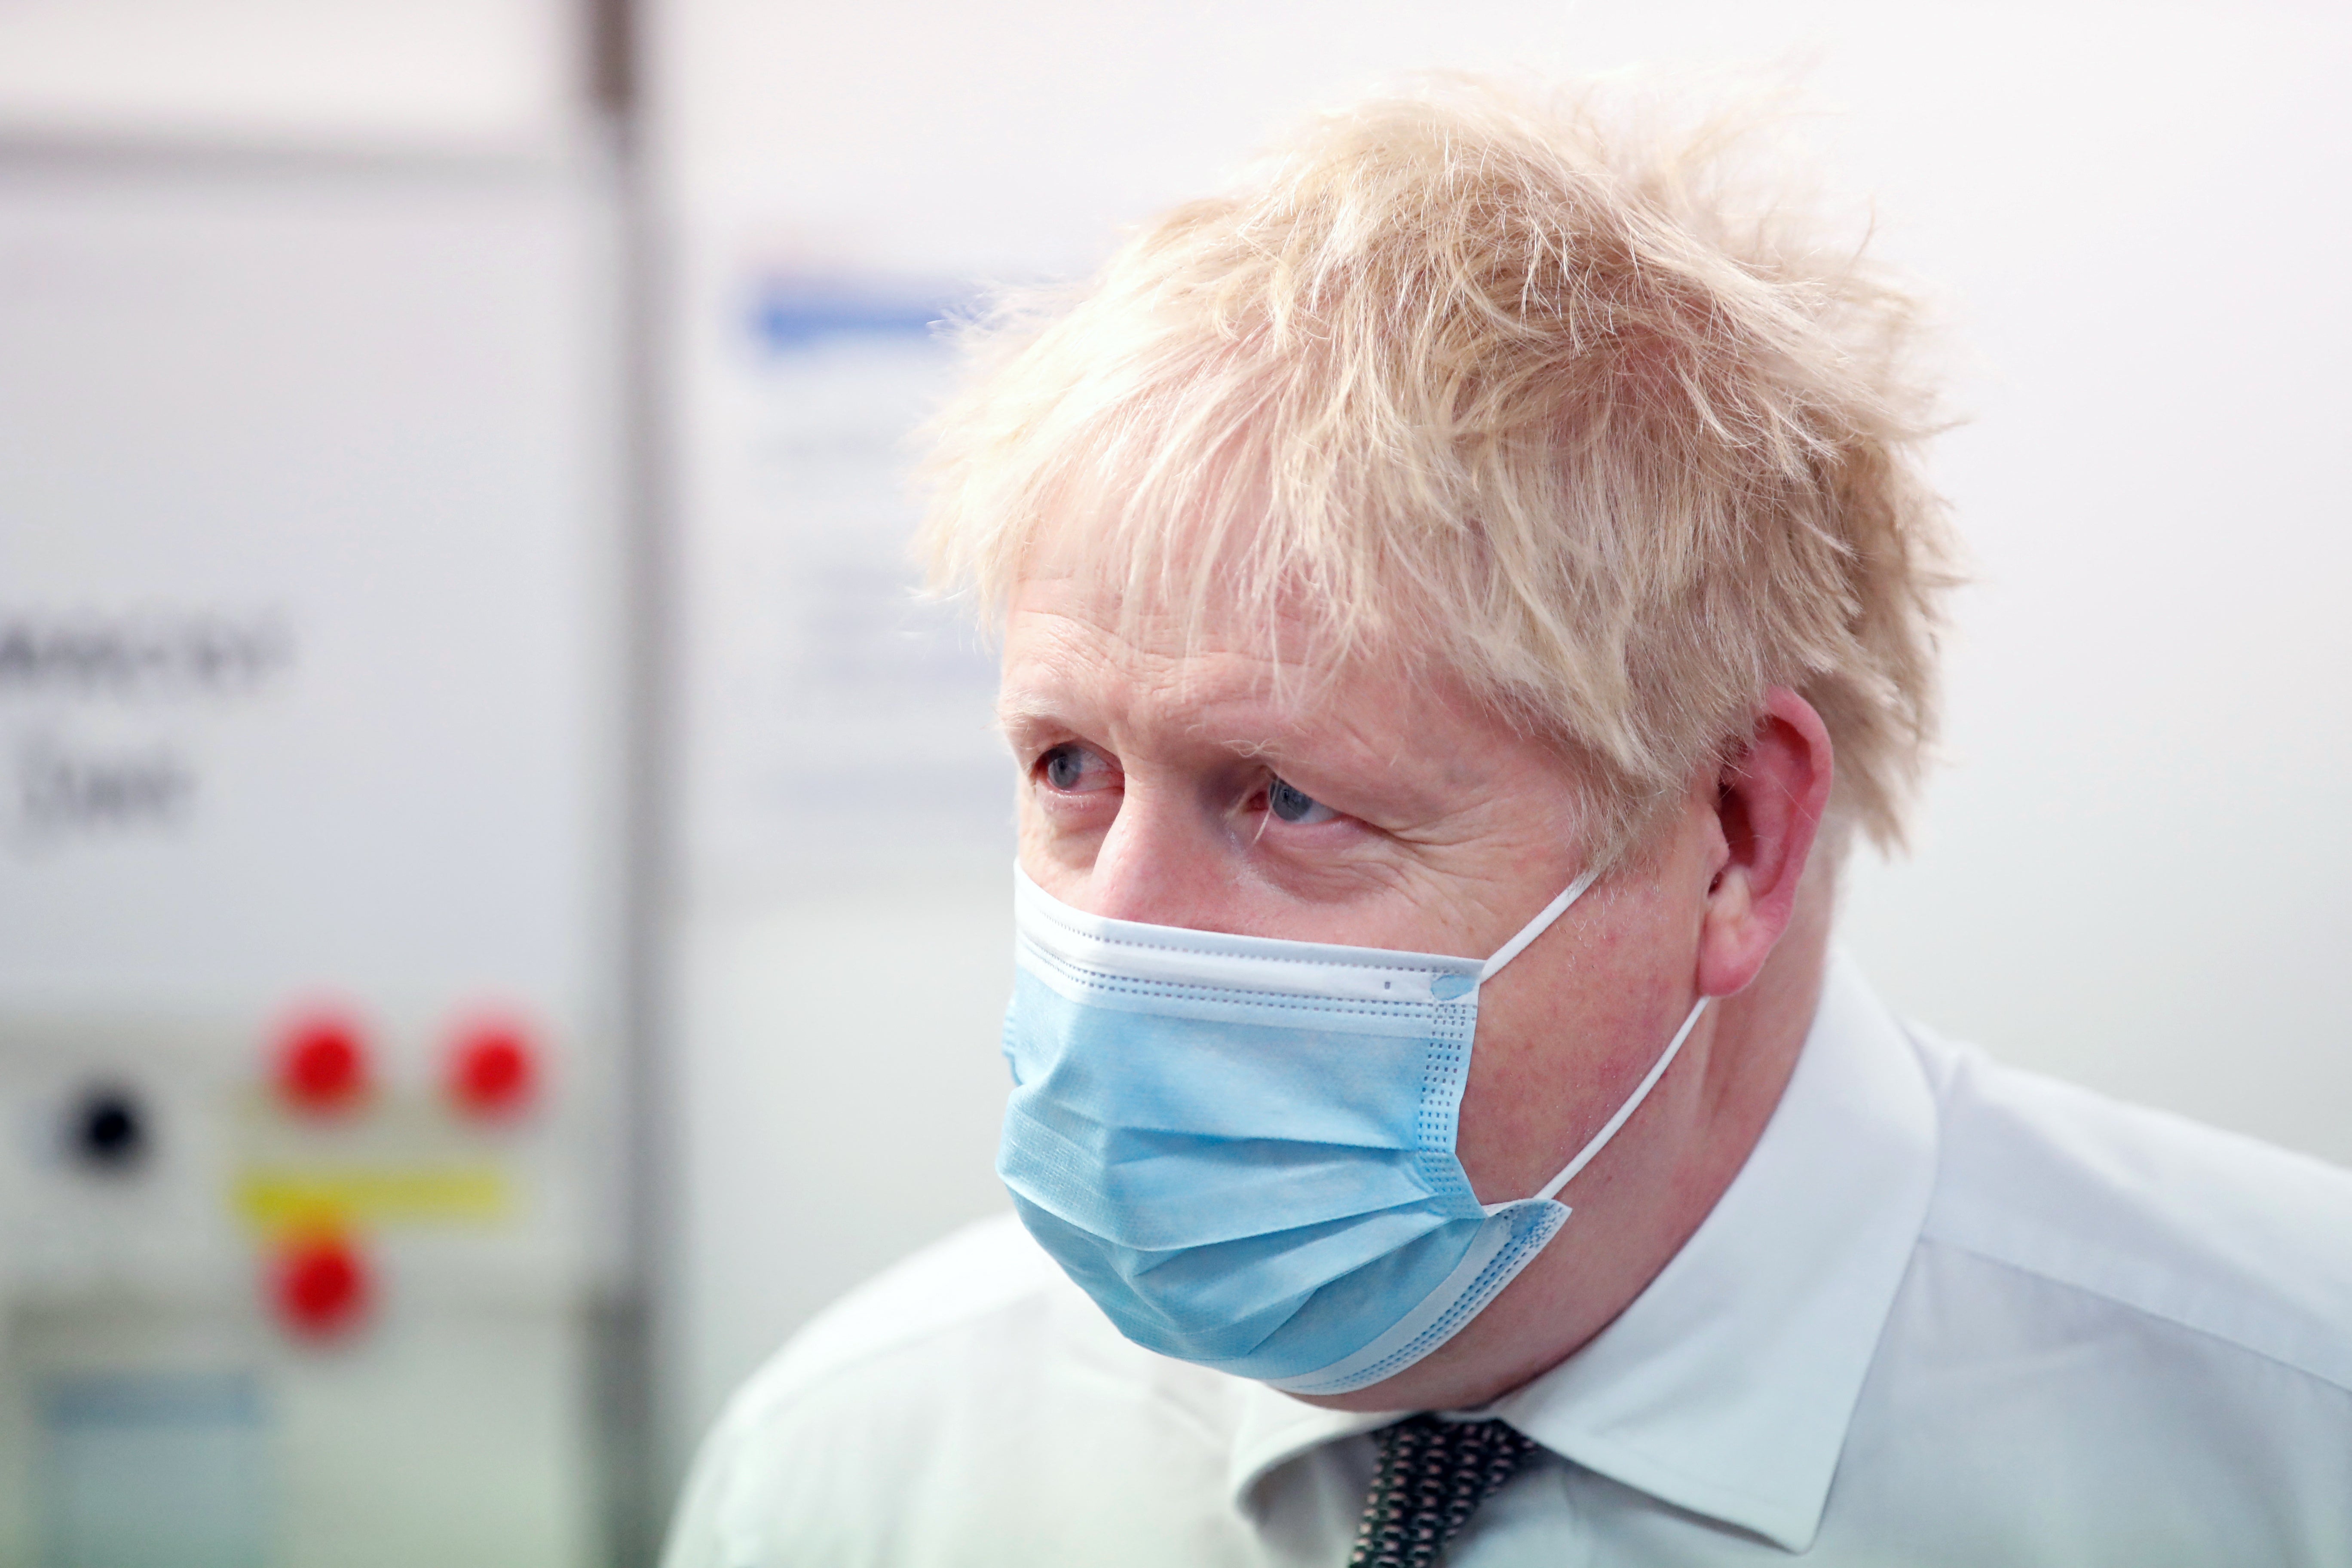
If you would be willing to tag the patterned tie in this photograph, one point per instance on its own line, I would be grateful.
(1433, 1473)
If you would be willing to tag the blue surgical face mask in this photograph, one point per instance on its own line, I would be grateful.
(1244, 1149)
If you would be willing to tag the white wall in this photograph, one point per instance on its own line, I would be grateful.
(375, 76)
(2128, 867)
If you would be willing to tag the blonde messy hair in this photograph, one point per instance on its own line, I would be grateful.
(1568, 406)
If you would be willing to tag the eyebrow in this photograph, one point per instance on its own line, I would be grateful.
(1018, 708)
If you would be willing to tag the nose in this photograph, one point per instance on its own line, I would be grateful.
(1163, 862)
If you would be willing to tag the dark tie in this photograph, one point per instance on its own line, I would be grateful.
(1431, 1475)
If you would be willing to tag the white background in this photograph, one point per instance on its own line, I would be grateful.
(2129, 865)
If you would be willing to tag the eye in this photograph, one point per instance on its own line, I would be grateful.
(1292, 804)
(1073, 769)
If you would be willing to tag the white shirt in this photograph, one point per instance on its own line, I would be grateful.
(1948, 1313)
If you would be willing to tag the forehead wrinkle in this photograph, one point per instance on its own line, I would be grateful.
(1338, 742)
(1146, 673)
(1079, 673)
(1067, 658)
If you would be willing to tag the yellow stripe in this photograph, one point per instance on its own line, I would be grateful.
(278, 1200)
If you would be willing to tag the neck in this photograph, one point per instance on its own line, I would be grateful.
(1635, 1211)
(1763, 1029)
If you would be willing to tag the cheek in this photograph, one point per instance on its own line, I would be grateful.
(1559, 1048)
(1026, 826)
(1046, 853)
(1530, 1073)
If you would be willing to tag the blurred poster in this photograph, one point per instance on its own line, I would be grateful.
(836, 719)
(307, 533)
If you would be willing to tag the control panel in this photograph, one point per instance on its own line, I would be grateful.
(312, 1140)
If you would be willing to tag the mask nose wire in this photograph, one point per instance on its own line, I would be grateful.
(1540, 924)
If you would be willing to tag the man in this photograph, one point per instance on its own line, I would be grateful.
(1461, 593)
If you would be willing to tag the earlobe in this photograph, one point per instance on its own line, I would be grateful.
(1769, 807)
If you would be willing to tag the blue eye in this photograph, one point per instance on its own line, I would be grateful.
(1292, 804)
(1072, 769)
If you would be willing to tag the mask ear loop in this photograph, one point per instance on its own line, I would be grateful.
(1633, 1103)
(1518, 944)
(1540, 924)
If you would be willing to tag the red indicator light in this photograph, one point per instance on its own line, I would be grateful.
(322, 1065)
(493, 1071)
(321, 1287)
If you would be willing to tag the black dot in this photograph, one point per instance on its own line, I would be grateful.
(109, 1130)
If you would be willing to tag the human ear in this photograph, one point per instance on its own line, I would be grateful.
(1767, 807)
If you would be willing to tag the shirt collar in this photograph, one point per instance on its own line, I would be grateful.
(1727, 1386)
